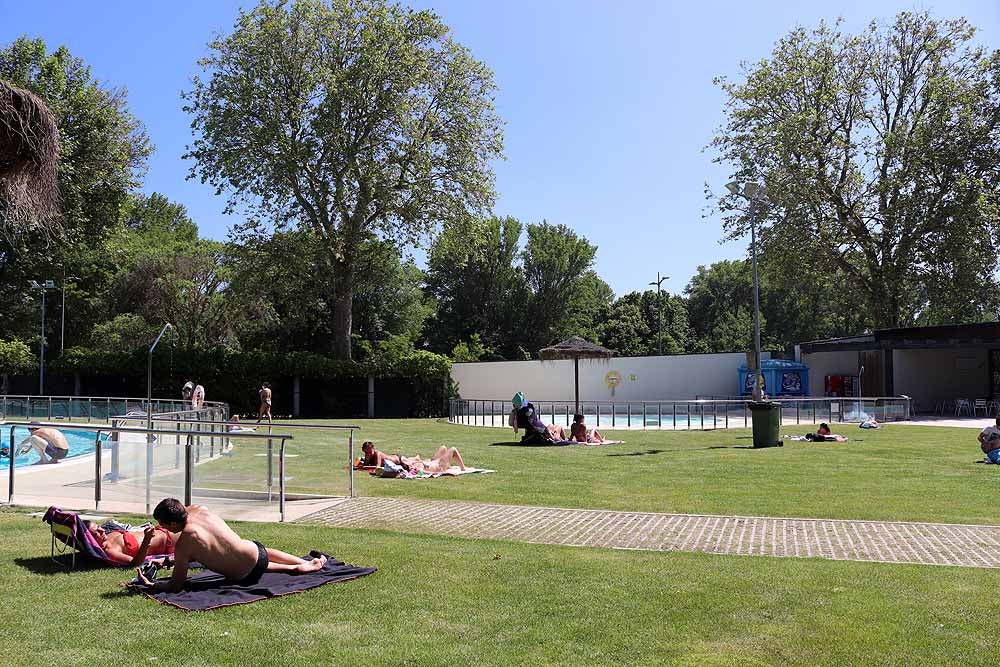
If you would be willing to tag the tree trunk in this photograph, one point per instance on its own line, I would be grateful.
(343, 302)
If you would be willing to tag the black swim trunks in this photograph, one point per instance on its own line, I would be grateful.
(259, 568)
(55, 453)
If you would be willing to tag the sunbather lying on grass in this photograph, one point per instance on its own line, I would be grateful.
(438, 463)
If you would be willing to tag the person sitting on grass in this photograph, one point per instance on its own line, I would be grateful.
(122, 547)
(989, 442)
(206, 538)
(439, 463)
(374, 458)
(581, 433)
(536, 432)
(824, 429)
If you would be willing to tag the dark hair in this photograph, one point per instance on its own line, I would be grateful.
(578, 419)
(824, 425)
(170, 510)
(266, 384)
(367, 443)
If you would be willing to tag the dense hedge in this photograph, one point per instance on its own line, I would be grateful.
(415, 385)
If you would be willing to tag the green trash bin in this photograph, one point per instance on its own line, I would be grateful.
(766, 418)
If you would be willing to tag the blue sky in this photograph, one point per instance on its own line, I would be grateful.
(608, 105)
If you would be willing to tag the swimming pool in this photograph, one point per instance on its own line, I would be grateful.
(80, 443)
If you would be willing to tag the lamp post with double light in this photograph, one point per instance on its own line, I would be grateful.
(47, 285)
(659, 308)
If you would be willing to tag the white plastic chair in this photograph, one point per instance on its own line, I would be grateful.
(977, 405)
(963, 404)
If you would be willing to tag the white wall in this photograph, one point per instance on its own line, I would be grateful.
(822, 364)
(929, 376)
(681, 376)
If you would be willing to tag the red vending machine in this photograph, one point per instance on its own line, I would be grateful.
(840, 385)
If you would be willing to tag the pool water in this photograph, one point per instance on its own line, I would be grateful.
(80, 443)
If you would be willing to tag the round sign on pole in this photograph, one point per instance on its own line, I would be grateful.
(612, 379)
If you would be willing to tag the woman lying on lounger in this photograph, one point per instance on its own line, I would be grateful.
(122, 546)
(438, 463)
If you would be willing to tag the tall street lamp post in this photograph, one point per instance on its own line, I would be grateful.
(62, 314)
(47, 285)
(754, 193)
(659, 307)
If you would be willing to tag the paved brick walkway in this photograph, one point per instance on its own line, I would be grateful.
(884, 541)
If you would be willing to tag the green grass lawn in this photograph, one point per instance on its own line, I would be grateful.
(446, 601)
(451, 601)
(897, 473)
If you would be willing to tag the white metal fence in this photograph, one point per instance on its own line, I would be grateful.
(701, 414)
(89, 408)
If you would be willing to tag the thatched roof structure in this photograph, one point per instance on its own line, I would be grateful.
(574, 348)
(29, 155)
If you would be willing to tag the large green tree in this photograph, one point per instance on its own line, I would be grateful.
(356, 118)
(475, 279)
(284, 275)
(103, 150)
(631, 325)
(720, 309)
(564, 295)
(881, 154)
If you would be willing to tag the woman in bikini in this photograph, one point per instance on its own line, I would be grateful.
(123, 547)
(581, 433)
(373, 457)
(437, 464)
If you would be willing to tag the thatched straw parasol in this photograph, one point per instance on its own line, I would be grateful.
(29, 153)
(575, 348)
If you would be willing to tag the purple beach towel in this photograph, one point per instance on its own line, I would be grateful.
(210, 590)
(84, 541)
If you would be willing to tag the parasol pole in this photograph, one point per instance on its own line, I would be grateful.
(576, 384)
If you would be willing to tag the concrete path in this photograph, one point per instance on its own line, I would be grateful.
(882, 541)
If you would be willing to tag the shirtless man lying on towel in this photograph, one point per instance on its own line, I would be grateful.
(204, 537)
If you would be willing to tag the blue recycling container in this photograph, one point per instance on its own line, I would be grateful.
(782, 377)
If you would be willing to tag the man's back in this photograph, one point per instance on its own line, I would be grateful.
(52, 436)
(208, 539)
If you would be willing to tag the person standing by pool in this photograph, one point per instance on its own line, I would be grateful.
(197, 397)
(50, 444)
(265, 403)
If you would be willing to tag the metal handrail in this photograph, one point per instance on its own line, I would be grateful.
(341, 427)
(188, 459)
(664, 401)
